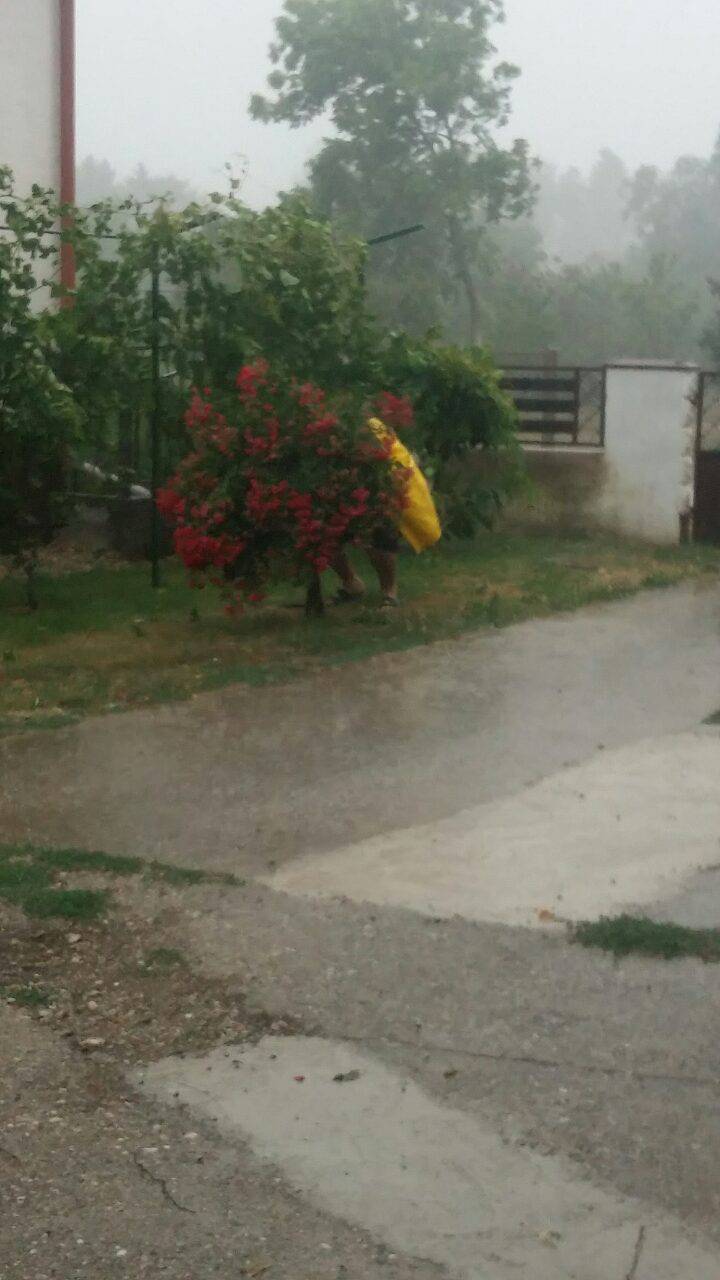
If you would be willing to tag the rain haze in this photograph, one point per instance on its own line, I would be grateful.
(359, 638)
(167, 85)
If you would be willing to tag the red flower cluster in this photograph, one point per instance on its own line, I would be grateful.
(310, 396)
(396, 411)
(251, 378)
(321, 426)
(277, 482)
(201, 551)
(170, 505)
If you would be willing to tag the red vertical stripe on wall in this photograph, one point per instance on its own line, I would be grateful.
(67, 127)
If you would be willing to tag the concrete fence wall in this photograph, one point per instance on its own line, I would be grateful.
(642, 483)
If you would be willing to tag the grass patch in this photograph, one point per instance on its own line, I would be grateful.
(165, 958)
(183, 876)
(28, 997)
(103, 641)
(29, 874)
(21, 877)
(27, 881)
(636, 935)
(80, 860)
(713, 719)
(65, 904)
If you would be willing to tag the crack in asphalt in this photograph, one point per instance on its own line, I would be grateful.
(161, 1183)
(549, 1064)
(639, 1246)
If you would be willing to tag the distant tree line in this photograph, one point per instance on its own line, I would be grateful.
(516, 255)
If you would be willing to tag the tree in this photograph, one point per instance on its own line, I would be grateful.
(293, 292)
(235, 284)
(415, 101)
(97, 181)
(593, 312)
(101, 344)
(611, 311)
(39, 419)
(678, 213)
(711, 334)
(585, 216)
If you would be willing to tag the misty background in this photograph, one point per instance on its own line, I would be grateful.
(619, 103)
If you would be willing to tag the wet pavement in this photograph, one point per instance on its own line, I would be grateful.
(365, 1142)
(248, 778)
(368, 806)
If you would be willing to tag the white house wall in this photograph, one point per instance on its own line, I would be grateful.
(641, 485)
(30, 91)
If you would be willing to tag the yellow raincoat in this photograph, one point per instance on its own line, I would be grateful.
(418, 522)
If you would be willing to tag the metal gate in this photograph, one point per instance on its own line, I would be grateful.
(707, 461)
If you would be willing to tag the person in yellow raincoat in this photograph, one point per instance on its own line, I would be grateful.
(417, 523)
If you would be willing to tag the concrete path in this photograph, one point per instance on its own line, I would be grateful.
(623, 830)
(401, 823)
(368, 1145)
(99, 1183)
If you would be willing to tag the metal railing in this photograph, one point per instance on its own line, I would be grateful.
(563, 406)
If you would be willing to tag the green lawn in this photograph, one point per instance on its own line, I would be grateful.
(103, 641)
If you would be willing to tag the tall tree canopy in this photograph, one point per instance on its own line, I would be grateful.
(415, 99)
(678, 213)
(585, 216)
(97, 180)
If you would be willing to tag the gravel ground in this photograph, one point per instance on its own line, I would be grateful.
(97, 1182)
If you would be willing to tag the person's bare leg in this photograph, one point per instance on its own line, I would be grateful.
(385, 565)
(352, 583)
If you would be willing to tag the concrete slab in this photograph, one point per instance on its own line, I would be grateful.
(624, 829)
(380, 1153)
(697, 905)
(98, 1185)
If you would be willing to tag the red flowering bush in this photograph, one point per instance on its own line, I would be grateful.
(396, 411)
(277, 481)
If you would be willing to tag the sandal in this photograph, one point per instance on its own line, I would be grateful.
(390, 602)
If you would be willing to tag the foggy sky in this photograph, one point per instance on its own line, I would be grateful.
(166, 83)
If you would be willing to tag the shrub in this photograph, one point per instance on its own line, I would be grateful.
(466, 428)
(39, 419)
(236, 284)
(277, 481)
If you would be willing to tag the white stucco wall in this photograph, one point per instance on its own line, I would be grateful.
(649, 452)
(30, 91)
(641, 485)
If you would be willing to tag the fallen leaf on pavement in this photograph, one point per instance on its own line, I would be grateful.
(254, 1269)
(546, 917)
(550, 1238)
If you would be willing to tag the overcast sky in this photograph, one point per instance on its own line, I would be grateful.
(166, 83)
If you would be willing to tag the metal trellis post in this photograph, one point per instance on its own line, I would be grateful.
(156, 419)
